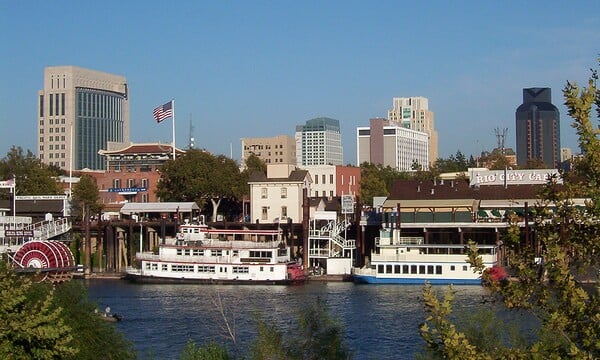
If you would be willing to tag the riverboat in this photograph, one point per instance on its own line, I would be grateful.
(199, 254)
(407, 260)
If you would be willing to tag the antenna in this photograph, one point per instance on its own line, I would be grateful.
(191, 145)
(500, 138)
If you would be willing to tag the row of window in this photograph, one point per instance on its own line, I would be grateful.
(131, 183)
(53, 138)
(54, 130)
(207, 269)
(414, 269)
(51, 121)
(264, 193)
(265, 212)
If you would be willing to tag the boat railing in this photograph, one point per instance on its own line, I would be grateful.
(402, 240)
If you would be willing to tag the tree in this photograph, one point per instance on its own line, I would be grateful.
(30, 327)
(32, 176)
(371, 183)
(253, 164)
(86, 193)
(546, 283)
(200, 177)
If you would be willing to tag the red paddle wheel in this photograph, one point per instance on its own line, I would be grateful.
(53, 260)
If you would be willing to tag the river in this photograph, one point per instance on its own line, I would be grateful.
(379, 321)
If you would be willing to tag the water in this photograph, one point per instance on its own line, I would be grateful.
(379, 321)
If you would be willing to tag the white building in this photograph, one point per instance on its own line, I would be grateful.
(413, 113)
(278, 195)
(389, 144)
(319, 142)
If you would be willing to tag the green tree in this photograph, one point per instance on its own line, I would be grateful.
(546, 283)
(372, 183)
(87, 196)
(253, 164)
(31, 175)
(200, 177)
(30, 328)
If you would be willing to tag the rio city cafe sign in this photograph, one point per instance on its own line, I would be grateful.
(511, 177)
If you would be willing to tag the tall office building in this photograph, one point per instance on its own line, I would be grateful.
(80, 112)
(386, 143)
(413, 113)
(279, 149)
(319, 142)
(538, 128)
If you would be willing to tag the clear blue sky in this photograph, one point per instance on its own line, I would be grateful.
(259, 68)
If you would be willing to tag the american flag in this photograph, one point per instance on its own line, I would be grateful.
(162, 112)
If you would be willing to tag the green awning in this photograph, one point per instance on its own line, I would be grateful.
(496, 213)
(482, 213)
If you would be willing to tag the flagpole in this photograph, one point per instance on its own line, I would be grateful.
(173, 109)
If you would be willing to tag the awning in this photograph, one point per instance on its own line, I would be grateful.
(159, 207)
(437, 205)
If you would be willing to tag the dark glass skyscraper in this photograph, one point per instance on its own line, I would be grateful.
(538, 128)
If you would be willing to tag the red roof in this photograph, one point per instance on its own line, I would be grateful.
(156, 148)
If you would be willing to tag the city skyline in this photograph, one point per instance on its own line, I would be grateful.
(256, 69)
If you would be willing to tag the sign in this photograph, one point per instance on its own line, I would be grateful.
(18, 233)
(7, 184)
(41, 197)
(512, 177)
(128, 190)
(347, 204)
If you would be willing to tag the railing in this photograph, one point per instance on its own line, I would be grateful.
(45, 230)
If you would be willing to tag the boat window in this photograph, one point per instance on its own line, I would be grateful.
(182, 268)
(206, 269)
(413, 269)
(464, 267)
(147, 266)
(452, 268)
(240, 269)
(397, 269)
(154, 266)
(197, 252)
(438, 269)
(430, 269)
(217, 252)
(272, 269)
(187, 252)
(164, 267)
(388, 269)
(236, 253)
(405, 269)
(380, 269)
(421, 269)
(262, 269)
(179, 252)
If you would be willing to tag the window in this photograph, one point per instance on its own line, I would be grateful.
(284, 211)
(130, 183)
(429, 269)
(116, 183)
(452, 268)
(145, 183)
(397, 269)
(380, 269)
(464, 267)
(323, 178)
(413, 269)
(264, 212)
(263, 193)
(284, 193)
(405, 269)
(438, 269)
(331, 178)
(421, 269)
(316, 179)
(388, 269)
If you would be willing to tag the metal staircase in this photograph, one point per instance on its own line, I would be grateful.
(45, 230)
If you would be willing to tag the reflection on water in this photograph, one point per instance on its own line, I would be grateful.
(380, 321)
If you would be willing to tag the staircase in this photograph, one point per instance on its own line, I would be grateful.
(45, 230)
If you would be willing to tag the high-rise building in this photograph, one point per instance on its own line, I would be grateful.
(413, 113)
(386, 143)
(319, 142)
(279, 149)
(538, 128)
(80, 112)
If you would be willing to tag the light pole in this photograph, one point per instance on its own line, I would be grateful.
(141, 235)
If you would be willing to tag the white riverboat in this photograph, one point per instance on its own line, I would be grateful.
(200, 254)
(407, 260)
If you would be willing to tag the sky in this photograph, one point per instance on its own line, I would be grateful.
(259, 68)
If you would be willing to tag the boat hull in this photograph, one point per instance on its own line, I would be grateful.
(146, 279)
(370, 279)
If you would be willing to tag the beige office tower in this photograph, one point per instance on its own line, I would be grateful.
(413, 113)
(80, 112)
(279, 149)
